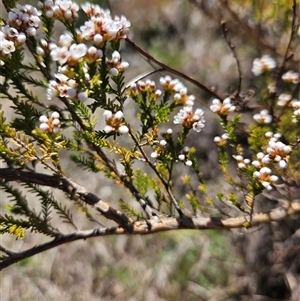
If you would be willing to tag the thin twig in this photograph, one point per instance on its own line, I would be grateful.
(287, 57)
(110, 164)
(165, 183)
(173, 71)
(232, 48)
(250, 33)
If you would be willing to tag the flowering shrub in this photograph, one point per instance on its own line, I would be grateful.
(137, 135)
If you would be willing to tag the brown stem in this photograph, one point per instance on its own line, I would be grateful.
(172, 70)
(70, 187)
(158, 225)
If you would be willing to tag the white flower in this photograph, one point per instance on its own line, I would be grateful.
(188, 163)
(114, 71)
(291, 77)
(114, 122)
(108, 129)
(119, 115)
(24, 18)
(222, 108)
(65, 10)
(181, 157)
(265, 178)
(187, 118)
(101, 27)
(284, 99)
(263, 117)
(116, 56)
(107, 114)
(260, 65)
(277, 152)
(296, 107)
(123, 129)
(7, 47)
(82, 96)
(172, 85)
(55, 115)
(183, 98)
(163, 142)
(169, 131)
(154, 155)
(77, 51)
(51, 124)
(60, 54)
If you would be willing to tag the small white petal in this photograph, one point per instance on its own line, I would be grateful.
(44, 126)
(188, 163)
(123, 129)
(119, 115)
(108, 129)
(55, 115)
(43, 119)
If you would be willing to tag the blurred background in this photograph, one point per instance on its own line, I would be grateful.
(256, 264)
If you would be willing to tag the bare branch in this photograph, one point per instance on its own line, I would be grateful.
(232, 48)
(173, 71)
(165, 183)
(159, 225)
(71, 188)
(288, 56)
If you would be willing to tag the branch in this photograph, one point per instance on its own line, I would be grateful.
(232, 48)
(241, 28)
(72, 189)
(159, 225)
(292, 35)
(172, 70)
(110, 164)
(165, 183)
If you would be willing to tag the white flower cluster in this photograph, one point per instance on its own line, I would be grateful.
(284, 100)
(276, 153)
(68, 52)
(22, 21)
(185, 160)
(183, 98)
(291, 77)
(263, 117)
(222, 108)
(183, 157)
(263, 64)
(44, 44)
(185, 116)
(115, 65)
(242, 163)
(296, 107)
(221, 140)
(63, 86)
(51, 124)
(145, 86)
(159, 149)
(190, 119)
(64, 10)
(114, 122)
(24, 18)
(101, 27)
(171, 85)
(265, 177)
